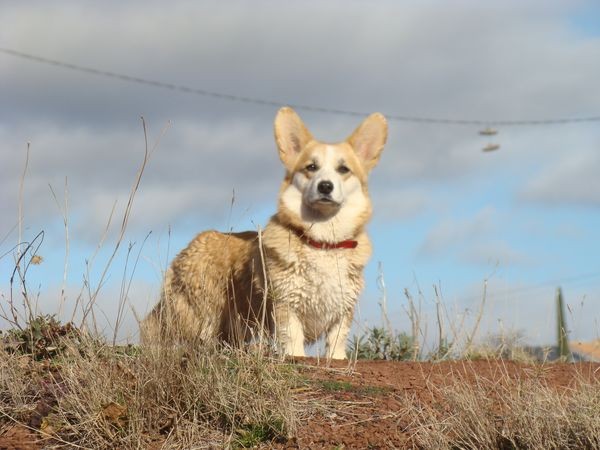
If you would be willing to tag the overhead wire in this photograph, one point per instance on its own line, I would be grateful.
(536, 286)
(265, 102)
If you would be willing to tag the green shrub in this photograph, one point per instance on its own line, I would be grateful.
(380, 343)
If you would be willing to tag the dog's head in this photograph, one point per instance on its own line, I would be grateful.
(322, 180)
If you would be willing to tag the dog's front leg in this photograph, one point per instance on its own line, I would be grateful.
(336, 338)
(289, 331)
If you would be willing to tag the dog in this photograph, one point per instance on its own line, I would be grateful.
(297, 280)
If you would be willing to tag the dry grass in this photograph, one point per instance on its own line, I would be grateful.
(507, 414)
(98, 396)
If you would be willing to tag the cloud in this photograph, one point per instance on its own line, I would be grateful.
(452, 233)
(493, 252)
(399, 205)
(571, 180)
(192, 171)
(476, 241)
(376, 58)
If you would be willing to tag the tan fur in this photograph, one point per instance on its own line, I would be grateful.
(216, 288)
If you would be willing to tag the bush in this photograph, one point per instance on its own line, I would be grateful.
(379, 343)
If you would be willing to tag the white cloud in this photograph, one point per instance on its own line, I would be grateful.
(376, 58)
(192, 171)
(493, 253)
(452, 233)
(570, 180)
(476, 240)
(399, 205)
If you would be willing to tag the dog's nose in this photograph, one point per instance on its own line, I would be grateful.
(325, 187)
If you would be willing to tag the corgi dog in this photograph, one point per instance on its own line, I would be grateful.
(297, 280)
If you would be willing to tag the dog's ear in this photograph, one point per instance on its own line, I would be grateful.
(291, 136)
(369, 138)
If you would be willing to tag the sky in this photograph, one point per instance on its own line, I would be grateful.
(449, 219)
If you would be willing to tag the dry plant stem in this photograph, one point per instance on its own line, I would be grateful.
(414, 315)
(126, 287)
(445, 348)
(229, 226)
(478, 320)
(442, 340)
(28, 309)
(65, 216)
(265, 298)
(125, 220)
(383, 302)
(123, 293)
(20, 202)
(456, 329)
(89, 264)
(19, 254)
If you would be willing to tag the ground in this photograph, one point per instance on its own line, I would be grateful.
(367, 403)
(363, 404)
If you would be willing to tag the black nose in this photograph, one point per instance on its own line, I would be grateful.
(325, 187)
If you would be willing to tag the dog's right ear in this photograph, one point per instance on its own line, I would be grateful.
(291, 136)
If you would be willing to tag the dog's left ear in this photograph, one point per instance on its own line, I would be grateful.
(291, 136)
(369, 138)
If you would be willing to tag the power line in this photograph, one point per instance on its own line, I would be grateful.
(544, 284)
(263, 102)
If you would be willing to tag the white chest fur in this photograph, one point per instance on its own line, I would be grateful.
(320, 286)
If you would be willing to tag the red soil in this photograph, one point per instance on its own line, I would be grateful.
(356, 406)
(367, 408)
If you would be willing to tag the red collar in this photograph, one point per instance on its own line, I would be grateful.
(324, 245)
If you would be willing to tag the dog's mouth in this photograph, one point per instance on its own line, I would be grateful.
(327, 201)
(324, 204)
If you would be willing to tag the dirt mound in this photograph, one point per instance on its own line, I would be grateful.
(378, 404)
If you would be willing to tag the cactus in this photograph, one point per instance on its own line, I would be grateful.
(562, 339)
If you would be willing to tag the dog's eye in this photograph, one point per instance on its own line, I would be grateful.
(343, 169)
(312, 167)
